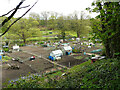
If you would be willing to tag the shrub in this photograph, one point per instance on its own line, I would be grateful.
(93, 55)
(40, 43)
(103, 52)
(101, 74)
(117, 54)
(76, 50)
(6, 49)
(22, 44)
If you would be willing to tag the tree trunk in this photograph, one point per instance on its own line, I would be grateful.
(78, 33)
(107, 48)
(24, 41)
(63, 35)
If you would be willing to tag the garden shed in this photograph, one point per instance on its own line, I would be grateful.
(55, 55)
(16, 48)
(67, 50)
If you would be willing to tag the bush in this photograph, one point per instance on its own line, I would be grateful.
(6, 49)
(101, 74)
(93, 55)
(103, 52)
(40, 43)
(117, 54)
(76, 50)
(22, 44)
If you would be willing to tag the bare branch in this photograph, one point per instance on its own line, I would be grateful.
(7, 19)
(18, 19)
(14, 9)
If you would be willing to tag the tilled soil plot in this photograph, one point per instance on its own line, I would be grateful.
(37, 50)
(36, 66)
(22, 55)
(64, 61)
(8, 74)
(39, 65)
(70, 61)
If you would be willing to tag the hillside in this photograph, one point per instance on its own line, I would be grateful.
(101, 74)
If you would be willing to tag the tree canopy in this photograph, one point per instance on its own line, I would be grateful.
(106, 26)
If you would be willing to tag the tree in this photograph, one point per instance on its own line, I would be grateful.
(36, 17)
(52, 21)
(62, 26)
(107, 27)
(12, 14)
(24, 29)
(44, 16)
(80, 25)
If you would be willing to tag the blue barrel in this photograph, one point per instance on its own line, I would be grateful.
(84, 53)
(0, 57)
(72, 47)
(49, 57)
(52, 58)
(69, 53)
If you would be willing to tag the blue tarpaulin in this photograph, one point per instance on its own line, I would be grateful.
(0, 57)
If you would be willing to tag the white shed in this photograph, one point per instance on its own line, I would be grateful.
(77, 39)
(67, 50)
(55, 55)
(16, 48)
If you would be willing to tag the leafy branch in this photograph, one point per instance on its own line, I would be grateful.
(6, 20)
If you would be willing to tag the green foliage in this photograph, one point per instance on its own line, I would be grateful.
(40, 43)
(76, 50)
(101, 74)
(23, 29)
(93, 55)
(21, 44)
(106, 25)
(6, 49)
(117, 54)
(6, 58)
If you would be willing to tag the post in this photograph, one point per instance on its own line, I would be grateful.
(69, 64)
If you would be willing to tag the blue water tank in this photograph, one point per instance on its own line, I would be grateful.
(0, 57)
(52, 58)
(84, 53)
(72, 47)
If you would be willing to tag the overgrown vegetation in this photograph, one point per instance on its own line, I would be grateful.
(6, 58)
(101, 74)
